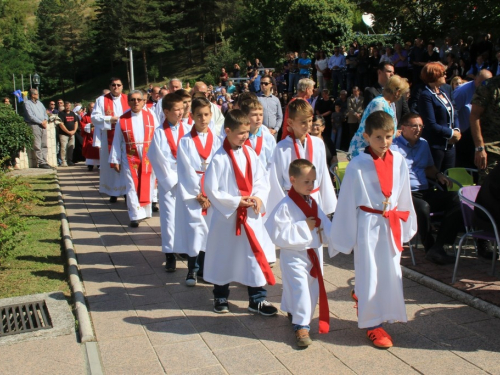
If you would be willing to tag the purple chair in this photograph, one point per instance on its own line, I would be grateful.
(467, 197)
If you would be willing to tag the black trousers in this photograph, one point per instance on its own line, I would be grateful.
(427, 201)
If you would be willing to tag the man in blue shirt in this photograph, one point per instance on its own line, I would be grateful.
(336, 63)
(254, 82)
(304, 65)
(417, 154)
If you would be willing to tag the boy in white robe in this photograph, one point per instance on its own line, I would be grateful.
(236, 186)
(187, 117)
(163, 157)
(300, 145)
(374, 216)
(133, 134)
(192, 209)
(295, 226)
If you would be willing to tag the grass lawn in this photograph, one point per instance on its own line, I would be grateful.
(37, 264)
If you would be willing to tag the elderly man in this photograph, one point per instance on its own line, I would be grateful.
(217, 121)
(133, 135)
(462, 97)
(336, 63)
(305, 89)
(107, 110)
(174, 85)
(273, 114)
(485, 125)
(384, 72)
(417, 154)
(36, 117)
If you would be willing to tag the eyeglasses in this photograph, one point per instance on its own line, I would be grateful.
(116, 85)
(317, 125)
(135, 100)
(415, 126)
(265, 83)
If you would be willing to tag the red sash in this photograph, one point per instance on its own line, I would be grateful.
(109, 110)
(140, 169)
(384, 168)
(170, 137)
(312, 211)
(204, 154)
(245, 185)
(258, 146)
(285, 132)
(190, 120)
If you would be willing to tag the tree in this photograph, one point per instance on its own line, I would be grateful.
(319, 24)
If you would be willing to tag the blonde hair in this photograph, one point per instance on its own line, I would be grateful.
(250, 105)
(397, 83)
(299, 107)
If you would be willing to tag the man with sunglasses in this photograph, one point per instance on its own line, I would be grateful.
(418, 157)
(273, 114)
(107, 110)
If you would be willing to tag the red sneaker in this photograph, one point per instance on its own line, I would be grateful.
(355, 298)
(380, 338)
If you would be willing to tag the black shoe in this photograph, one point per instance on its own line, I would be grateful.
(263, 308)
(90, 167)
(113, 199)
(191, 278)
(170, 263)
(183, 256)
(44, 166)
(70, 163)
(134, 223)
(221, 306)
(436, 254)
(155, 207)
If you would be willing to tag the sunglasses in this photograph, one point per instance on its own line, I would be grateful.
(135, 99)
(116, 85)
(265, 83)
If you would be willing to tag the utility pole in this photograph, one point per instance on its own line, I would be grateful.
(131, 58)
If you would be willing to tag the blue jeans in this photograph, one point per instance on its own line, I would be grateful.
(195, 264)
(255, 294)
(296, 327)
(293, 80)
(337, 79)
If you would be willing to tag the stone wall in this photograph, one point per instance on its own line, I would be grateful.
(27, 158)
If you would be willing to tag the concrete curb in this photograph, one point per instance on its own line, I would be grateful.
(452, 292)
(82, 314)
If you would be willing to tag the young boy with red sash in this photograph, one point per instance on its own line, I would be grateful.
(374, 216)
(299, 227)
(108, 109)
(192, 210)
(300, 145)
(132, 137)
(236, 186)
(163, 157)
(89, 152)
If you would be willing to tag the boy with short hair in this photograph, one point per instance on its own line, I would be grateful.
(300, 145)
(374, 217)
(236, 186)
(187, 118)
(163, 157)
(192, 210)
(295, 226)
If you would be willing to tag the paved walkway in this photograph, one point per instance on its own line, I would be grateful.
(148, 322)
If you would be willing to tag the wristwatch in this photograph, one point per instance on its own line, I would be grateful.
(479, 149)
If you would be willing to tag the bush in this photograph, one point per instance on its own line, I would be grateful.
(14, 133)
(16, 198)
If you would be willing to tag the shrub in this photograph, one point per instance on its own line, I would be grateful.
(14, 133)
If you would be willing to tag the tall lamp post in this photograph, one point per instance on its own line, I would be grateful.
(36, 80)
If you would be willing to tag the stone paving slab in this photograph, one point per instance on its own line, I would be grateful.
(148, 322)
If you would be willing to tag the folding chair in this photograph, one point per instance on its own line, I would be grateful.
(468, 195)
(461, 177)
(338, 171)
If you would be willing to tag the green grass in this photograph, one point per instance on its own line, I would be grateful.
(37, 264)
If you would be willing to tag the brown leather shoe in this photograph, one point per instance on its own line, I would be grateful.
(302, 337)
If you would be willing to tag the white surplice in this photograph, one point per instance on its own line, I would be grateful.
(110, 182)
(229, 257)
(118, 155)
(191, 238)
(379, 285)
(288, 229)
(165, 169)
(268, 146)
(283, 155)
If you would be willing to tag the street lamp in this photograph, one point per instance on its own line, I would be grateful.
(36, 80)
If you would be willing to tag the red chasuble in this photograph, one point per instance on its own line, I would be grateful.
(140, 169)
(170, 137)
(88, 151)
(384, 168)
(312, 211)
(245, 185)
(204, 153)
(109, 110)
(258, 145)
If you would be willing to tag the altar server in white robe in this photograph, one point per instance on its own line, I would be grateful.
(236, 187)
(133, 135)
(374, 216)
(192, 209)
(107, 110)
(300, 145)
(163, 157)
(296, 226)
